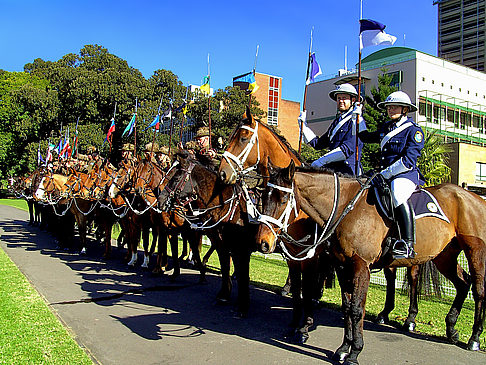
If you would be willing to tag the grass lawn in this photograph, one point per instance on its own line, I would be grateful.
(29, 332)
(17, 203)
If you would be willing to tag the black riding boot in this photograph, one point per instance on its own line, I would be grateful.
(403, 248)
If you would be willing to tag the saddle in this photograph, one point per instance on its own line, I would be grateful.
(422, 202)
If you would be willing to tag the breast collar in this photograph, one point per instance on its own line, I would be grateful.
(402, 124)
(343, 119)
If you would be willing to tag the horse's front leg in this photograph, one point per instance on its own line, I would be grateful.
(361, 283)
(310, 283)
(390, 276)
(345, 282)
(413, 277)
(241, 259)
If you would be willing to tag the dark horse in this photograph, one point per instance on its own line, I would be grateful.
(219, 210)
(358, 237)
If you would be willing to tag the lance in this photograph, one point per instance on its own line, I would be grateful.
(156, 129)
(183, 116)
(356, 167)
(305, 89)
(135, 129)
(111, 137)
(171, 120)
(209, 101)
(76, 136)
(254, 71)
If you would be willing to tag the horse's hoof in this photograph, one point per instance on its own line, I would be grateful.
(473, 345)
(340, 356)
(300, 338)
(381, 319)
(410, 327)
(453, 336)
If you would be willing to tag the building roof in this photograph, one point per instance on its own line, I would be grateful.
(388, 56)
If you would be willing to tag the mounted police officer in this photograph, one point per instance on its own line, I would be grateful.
(401, 140)
(340, 138)
(127, 151)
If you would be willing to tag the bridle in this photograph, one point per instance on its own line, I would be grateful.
(240, 160)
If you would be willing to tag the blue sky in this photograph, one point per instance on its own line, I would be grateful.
(178, 35)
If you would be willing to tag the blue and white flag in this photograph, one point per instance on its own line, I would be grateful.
(129, 128)
(315, 69)
(371, 33)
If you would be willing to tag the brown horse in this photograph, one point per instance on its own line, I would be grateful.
(357, 238)
(219, 210)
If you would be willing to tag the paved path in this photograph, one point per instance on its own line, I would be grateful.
(127, 316)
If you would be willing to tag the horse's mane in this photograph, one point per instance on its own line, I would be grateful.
(274, 132)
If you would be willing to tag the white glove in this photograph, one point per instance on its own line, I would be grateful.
(308, 133)
(332, 156)
(357, 110)
(394, 169)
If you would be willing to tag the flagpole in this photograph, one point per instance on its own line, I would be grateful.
(111, 139)
(135, 130)
(254, 71)
(305, 89)
(209, 101)
(171, 122)
(76, 145)
(155, 129)
(356, 167)
(183, 116)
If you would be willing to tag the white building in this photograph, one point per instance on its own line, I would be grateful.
(451, 100)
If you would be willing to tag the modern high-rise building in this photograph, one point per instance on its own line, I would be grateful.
(461, 30)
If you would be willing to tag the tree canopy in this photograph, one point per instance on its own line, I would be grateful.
(90, 88)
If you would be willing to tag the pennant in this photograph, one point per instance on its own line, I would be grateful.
(39, 156)
(131, 125)
(205, 86)
(181, 107)
(110, 131)
(372, 33)
(166, 115)
(155, 123)
(315, 69)
(246, 82)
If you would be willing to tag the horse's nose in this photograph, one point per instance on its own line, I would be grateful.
(265, 247)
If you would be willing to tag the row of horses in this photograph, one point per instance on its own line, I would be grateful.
(320, 221)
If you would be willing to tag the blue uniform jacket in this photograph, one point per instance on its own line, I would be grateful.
(402, 139)
(340, 134)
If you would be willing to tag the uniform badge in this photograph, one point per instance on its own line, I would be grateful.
(418, 137)
(432, 207)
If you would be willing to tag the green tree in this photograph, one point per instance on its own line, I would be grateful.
(374, 117)
(227, 107)
(434, 159)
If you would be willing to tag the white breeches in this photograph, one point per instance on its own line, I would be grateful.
(402, 189)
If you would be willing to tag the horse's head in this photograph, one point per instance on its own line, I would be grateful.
(123, 178)
(179, 185)
(279, 207)
(243, 150)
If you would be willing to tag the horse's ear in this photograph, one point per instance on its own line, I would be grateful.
(290, 171)
(247, 117)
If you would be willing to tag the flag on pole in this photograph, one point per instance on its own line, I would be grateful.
(155, 123)
(66, 149)
(49, 156)
(315, 69)
(372, 33)
(205, 88)
(110, 131)
(39, 156)
(129, 128)
(246, 82)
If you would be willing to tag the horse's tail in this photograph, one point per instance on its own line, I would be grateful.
(429, 282)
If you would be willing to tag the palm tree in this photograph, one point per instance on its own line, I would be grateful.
(433, 160)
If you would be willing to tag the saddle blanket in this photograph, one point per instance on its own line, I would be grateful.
(424, 205)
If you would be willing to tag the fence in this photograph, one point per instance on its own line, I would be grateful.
(447, 287)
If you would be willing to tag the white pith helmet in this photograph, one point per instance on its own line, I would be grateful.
(398, 98)
(344, 89)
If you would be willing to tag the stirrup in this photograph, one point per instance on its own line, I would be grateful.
(402, 250)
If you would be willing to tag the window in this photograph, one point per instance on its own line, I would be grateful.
(480, 171)
(272, 117)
